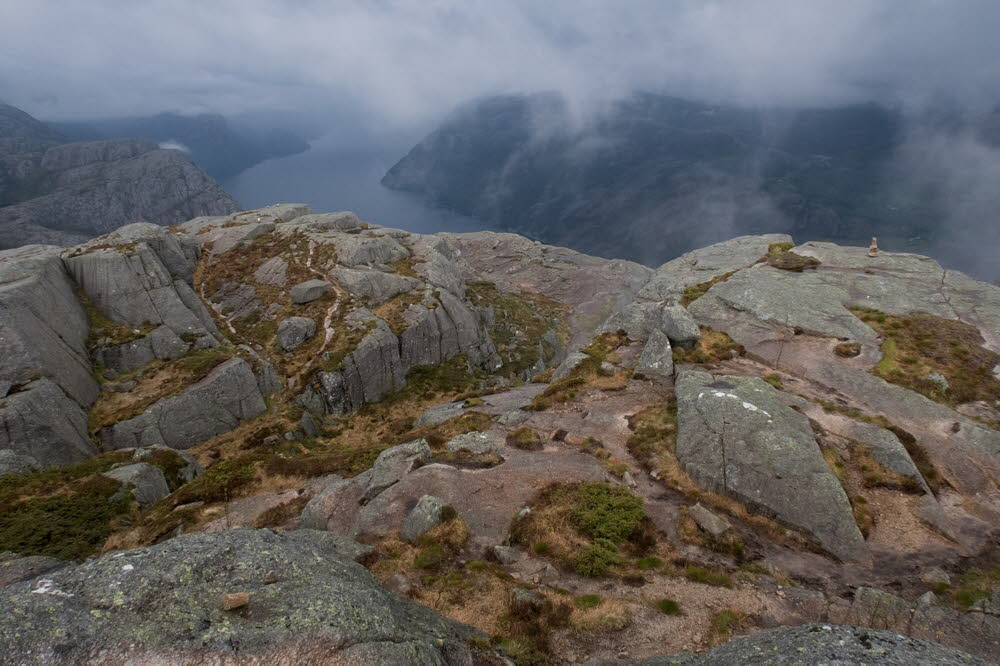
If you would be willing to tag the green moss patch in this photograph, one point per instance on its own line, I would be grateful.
(695, 291)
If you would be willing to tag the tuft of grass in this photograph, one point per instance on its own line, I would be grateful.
(695, 291)
(712, 347)
(774, 380)
(648, 563)
(668, 607)
(585, 601)
(778, 248)
(701, 575)
(525, 438)
(847, 349)
(726, 621)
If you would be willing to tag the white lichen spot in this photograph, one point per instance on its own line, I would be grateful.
(48, 586)
(128, 567)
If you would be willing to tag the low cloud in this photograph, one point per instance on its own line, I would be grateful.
(175, 145)
(404, 62)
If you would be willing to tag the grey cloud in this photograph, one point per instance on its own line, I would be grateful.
(408, 62)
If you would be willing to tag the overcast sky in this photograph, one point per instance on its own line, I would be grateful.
(403, 62)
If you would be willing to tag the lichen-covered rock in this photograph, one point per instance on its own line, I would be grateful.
(221, 401)
(16, 463)
(738, 436)
(294, 331)
(14, 568)
(809, 644)
(476, 443)
(146, 482)
(657, 357)
(274, 272)
(428, 513)
(41, 422)
(161, 604)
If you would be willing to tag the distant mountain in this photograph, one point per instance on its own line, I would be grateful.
(657, 176)
(213, 143)
(55, 191)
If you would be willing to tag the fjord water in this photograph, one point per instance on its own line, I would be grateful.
(332, 176)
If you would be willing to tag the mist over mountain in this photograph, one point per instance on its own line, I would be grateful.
(655, 176)
(220, 147)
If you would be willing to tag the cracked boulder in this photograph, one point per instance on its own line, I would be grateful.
(228, 396)
(294, 331)
(161, 604)
(739, 437)
(41, 422)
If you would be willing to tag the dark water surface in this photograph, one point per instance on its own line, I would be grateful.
(330, 177)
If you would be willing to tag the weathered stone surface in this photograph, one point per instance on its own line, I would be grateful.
(323, 608)
(14, 569)
(572, 360)
(708, 521)
(144, 480)
(637, 319)
(373, 286)
(477, 443)
(976, 633)
(679, 326)
(308, 291)
(161, 343)
(43, 327)
(737, 436)
(885, 447)
(294, 331)
(821, 644)
(395, 463)
(16, 463)
(41, 422)
(226, 397)
(657, 357)
(701, 265)
(435, 416)
(246, 511)
(340, 221)
(274, 272)
(141, 275)
(360, 249)
(428, 513)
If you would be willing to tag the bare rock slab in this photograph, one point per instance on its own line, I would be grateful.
(738, 436)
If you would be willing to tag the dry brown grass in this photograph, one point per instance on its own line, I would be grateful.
(712, 348)
(609, 616)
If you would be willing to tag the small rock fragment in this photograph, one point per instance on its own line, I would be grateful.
(235, 600)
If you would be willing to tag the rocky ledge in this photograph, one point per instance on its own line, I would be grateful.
(572, 458)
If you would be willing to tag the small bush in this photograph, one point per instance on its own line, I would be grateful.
(597, 558)
(607, 512)
(727, 621)
(525, 438)
(847, 349)
(668, 607)
(648, 563)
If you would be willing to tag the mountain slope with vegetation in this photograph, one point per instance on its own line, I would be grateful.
(567, 457)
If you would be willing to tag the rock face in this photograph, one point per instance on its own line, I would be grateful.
(309, 291)
(294, 331)
(323, 608)
(228, 396)
(738, 436)
(60, 193)
(42, 423)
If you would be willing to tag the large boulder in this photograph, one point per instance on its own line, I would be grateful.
(395, 463)
(656, 359)
(428, 513)
(228, 396)
(308, 291)
(146, 482)
(163, 604)
(738, 436)
(41, 422)
(16, 464)
(294, 331)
